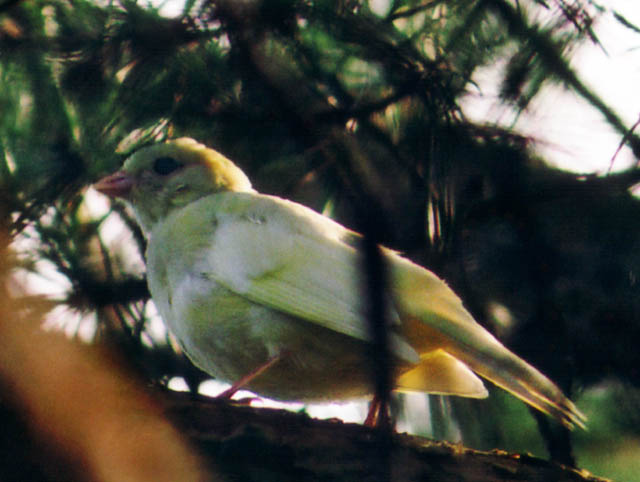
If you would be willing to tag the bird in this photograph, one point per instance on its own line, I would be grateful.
(266, 294)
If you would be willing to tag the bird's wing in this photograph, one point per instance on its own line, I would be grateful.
(436, 319)
(288, 257)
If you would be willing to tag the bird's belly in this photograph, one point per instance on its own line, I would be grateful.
(229, 337)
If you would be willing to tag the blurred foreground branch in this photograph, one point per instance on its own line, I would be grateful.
(71, 413)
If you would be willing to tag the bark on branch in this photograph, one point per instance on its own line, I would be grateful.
(260, 444)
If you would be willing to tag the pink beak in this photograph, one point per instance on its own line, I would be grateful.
(118, 184)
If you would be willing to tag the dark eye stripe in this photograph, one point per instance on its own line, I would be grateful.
(166, 165)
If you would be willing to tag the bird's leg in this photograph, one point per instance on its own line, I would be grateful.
(372, 414)
(378, 415)
(240, 384)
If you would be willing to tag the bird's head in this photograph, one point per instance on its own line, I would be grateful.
(161, 178)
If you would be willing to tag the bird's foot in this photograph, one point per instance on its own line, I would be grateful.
(378, 415)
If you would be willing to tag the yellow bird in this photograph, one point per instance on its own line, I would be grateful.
(267, 293)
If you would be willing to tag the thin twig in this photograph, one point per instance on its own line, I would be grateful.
(624, 140)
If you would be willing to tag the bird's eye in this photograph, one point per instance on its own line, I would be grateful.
(166, 165)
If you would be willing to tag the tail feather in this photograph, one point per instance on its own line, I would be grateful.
(508, 371)
(436, 319)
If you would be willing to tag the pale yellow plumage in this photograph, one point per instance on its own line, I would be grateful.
(240, 277)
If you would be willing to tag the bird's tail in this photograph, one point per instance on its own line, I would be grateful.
(435, 318)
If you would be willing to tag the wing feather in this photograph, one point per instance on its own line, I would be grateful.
(292, 259)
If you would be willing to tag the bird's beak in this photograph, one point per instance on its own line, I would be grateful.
(118, 184)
